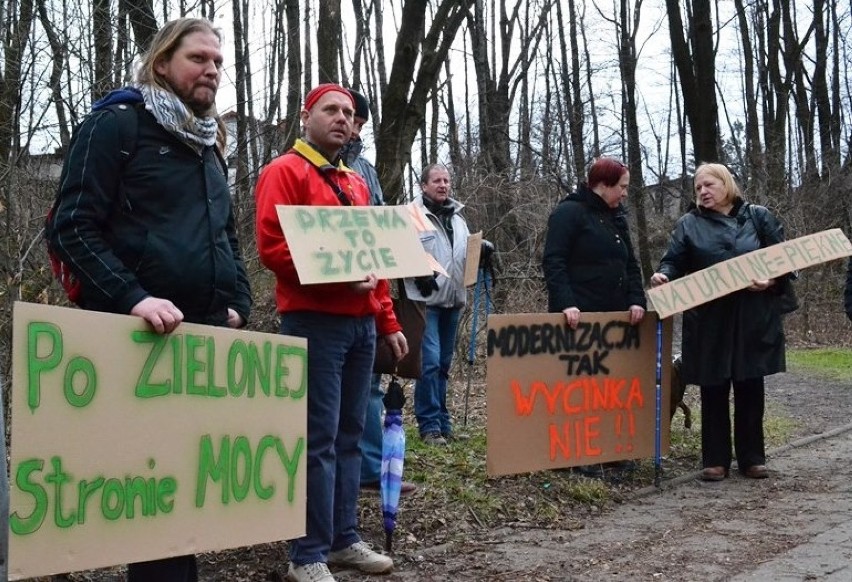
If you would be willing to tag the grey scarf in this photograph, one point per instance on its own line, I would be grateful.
(172, 113)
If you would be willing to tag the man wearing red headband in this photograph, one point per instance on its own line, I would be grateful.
(341, 322)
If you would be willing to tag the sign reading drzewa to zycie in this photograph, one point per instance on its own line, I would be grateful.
(129, 446)
(334, 244)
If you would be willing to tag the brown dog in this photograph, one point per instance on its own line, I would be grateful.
(677, 393)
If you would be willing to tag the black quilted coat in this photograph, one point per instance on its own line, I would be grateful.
(588, 259)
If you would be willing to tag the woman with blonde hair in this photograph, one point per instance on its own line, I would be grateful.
(735, 340)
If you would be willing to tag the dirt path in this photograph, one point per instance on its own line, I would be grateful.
(690, 530)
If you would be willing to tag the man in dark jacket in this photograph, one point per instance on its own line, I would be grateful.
(153, 235)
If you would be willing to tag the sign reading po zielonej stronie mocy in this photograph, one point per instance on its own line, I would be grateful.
(128, 445)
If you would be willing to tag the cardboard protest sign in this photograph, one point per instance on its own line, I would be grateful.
(471, 262)
(423, 224)
(436, 266)
(418, 218)
(333, 244)
(738, 273)
(130, 446)
(559, 397)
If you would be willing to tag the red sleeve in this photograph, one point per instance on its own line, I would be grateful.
(275, 186)
(386, 322)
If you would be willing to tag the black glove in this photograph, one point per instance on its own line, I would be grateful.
(489, 260)
(426, 284)
(485, 253)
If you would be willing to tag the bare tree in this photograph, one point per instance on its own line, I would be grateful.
(59, 58)
(498, 81)
(242, 72)
(697, 71)
(627, 60)
(571, 85)
(416, 65)
(753, 159)
(16, 37)
(290, 125)
(829, 134)
(328, 41)
(102, 31)
(783, 57)
(143, 21)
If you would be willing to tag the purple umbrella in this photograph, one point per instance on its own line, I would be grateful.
(393, 457)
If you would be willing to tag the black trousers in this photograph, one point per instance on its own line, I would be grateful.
(748, 424)
(177, 569)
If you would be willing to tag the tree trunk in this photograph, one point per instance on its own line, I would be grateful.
(290, 125)
(822, 101)
(240, 73)
(308, 61)
(328, 41)
(754, 169)
(575, 105)
(697, 76)
(143, 22)
(15, 46)
(102, 31)
(627, 61)
(409, 85)
(57, 49)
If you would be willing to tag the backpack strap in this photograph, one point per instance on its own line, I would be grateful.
(344, 201)
(127, 117)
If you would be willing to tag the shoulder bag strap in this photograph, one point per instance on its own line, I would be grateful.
(757, 226)
(334, 186)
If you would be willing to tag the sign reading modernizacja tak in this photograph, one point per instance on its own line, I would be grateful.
(738, 273)
(562, 397)
(128, 445)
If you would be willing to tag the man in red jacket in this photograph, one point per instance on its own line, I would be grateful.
(340, 322)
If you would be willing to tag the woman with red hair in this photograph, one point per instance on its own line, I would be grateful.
(589, 264)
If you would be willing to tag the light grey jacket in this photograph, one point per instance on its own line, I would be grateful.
(451, 291)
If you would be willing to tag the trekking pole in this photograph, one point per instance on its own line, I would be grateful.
(4, 494)
(482, 277)
(658, 419)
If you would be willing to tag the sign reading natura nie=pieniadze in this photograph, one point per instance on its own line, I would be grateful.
(128, 445)
(738, 273)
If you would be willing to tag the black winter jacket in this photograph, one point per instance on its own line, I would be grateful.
(588, 258)
(162, 227)
(741, 335)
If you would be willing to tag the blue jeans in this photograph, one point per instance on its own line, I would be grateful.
(371, 440)
(340, 363)
(430, 392)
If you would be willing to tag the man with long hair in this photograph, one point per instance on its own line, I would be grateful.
(151, 232)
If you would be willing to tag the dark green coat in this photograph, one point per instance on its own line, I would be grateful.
(740, 335)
